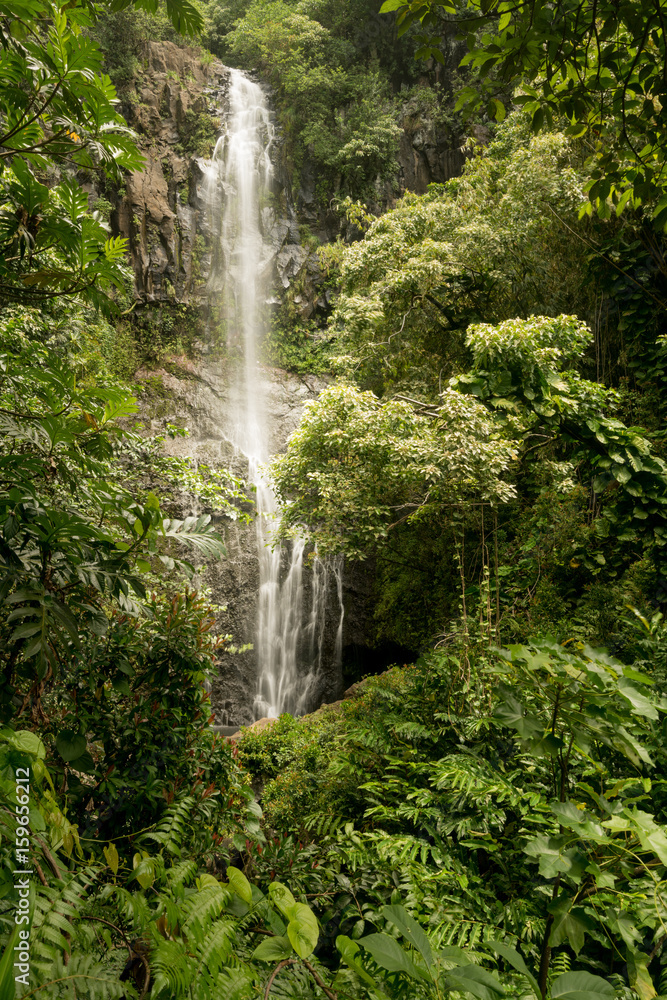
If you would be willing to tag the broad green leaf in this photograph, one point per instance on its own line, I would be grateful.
(239, 883)
(273, 949)
(282, 898)
(571, 923)
(302, 930)
(7, 984)
(144, 871)
(410, 929)
(389, 955)
(475, 980)
(580, 986)
(510, 712)
(641, 704)
(111, 854)
(639, 976)
(512, 956)
(70, 745)
(349, 950)
(28, 742)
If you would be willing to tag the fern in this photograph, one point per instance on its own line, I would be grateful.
(234, 984)
(133, 907)
(323, 825)
(180, 873)
(172, 968)
(170, 831)
(560, 963)
(201, 908)
(662, 985)
(83, 978)
(55, 907)
(216, 947)
(294, 983)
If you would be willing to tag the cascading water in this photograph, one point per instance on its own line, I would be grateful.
(289, 639)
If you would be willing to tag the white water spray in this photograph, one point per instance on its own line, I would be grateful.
(289, 644)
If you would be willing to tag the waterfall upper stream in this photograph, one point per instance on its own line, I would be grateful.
(290, 615)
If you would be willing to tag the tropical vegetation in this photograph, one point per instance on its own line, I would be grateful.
(486, 818)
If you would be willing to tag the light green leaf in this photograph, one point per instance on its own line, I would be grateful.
(512, 956)
(475, 980)
(302, 930)
(638, 974)
(239, 883)
(273, 949)
(389, 955)
(28, 742)
(111, 854)
(580, 986)
(282, 898)
(349, 950)
(7, 984)
(410, 929)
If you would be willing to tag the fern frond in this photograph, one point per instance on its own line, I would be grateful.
(134, 908)
(216, 947)
(323, 825)
(180, 873)
(170, 831)
(84, 977)
(55, 907)
(560, 963)
(234, 984)
(172, 967)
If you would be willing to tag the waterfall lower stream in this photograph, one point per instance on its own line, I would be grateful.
(290, 621)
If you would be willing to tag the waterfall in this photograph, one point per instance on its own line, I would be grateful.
(237, 185)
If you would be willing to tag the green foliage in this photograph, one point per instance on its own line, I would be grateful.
(296, 346)
(73, 536)
(487, 246)
(198, 133)
(601, 68)
(460, 859)
(121, 33)
(543, 840)
(530, 355)
(344, 453)
(335, 108)
(488, 822)
(61, 118)
(472, 278)
(138, 694)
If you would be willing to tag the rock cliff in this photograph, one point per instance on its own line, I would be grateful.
(177, 104)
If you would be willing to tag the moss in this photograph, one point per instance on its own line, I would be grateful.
(163, 330)
(156, 398)
(198, 132)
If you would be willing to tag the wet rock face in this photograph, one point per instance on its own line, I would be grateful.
(427, 155)
(203, 400)
(173, 96)
(177, 108)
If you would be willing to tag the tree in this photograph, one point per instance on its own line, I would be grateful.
(333, 103)
(357, 467)
(60, 119)
(76, 538)
(484, 247)
(598, 67)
